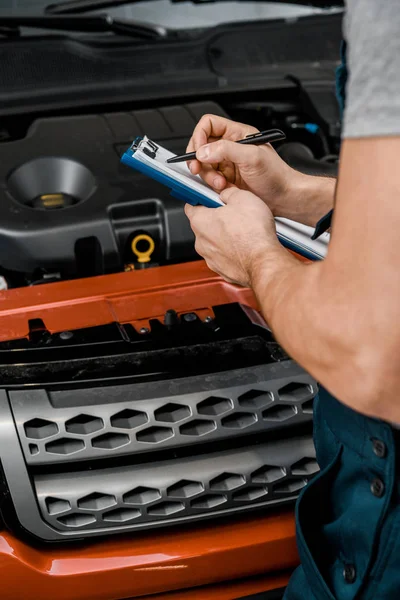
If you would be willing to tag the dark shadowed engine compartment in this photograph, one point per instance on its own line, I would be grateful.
(69, 209)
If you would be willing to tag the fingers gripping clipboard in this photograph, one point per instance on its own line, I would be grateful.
(150, 159)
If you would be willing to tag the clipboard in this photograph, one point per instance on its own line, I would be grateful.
(150, 158)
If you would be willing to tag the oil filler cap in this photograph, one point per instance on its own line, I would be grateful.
(143, 247)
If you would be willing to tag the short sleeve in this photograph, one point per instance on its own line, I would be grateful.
(372, 32)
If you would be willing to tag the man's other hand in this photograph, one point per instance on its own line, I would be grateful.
(234, 239)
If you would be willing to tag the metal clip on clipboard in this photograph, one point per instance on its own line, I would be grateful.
(151, 149)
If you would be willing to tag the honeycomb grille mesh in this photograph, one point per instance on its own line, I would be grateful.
(144, 495)
(83, 462)
(126, 427)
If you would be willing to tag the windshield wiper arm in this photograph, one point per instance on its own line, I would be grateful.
(80, 6)
(10, 26)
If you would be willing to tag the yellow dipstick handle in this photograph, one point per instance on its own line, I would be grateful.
(143, 256)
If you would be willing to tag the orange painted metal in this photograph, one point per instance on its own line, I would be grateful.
(149, 564)
(124, 297)
(228, 591)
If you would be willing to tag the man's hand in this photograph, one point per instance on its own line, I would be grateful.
(235, 239)
(258, 169)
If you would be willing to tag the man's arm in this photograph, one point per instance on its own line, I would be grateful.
(307, 199)
(340, 318)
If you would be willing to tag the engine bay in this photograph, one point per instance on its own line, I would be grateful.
(70, 108)
(71, 210)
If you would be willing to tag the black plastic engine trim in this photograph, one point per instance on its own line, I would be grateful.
(225, 59)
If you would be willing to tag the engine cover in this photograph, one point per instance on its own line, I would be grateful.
(68, 205)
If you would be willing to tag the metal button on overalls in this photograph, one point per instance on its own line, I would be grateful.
(349, 574)
(378, 487)
(379, 448)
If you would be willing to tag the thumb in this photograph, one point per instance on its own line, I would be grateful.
(239, 154)
(232, 194)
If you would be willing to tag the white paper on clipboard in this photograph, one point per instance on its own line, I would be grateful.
(178, 171)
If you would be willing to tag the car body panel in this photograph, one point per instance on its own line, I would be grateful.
(133, 297)
(149, 564)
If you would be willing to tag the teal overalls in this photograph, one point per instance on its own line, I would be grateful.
(348, 517)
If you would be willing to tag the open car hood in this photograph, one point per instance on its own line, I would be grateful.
(81, 6)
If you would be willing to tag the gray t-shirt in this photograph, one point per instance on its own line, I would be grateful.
(372, 31)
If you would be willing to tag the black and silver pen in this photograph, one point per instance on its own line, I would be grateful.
(323, 225)
(257, 139)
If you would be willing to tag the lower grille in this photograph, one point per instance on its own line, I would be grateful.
(134, 439)
(145, 495)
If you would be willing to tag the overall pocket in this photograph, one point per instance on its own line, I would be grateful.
(314, 510)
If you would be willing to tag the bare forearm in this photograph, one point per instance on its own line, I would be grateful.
(286, 292)
(340, 318)
(296, 308)
(318, 325)
(307, 199)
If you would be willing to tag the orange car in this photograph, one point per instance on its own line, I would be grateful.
(154, 436)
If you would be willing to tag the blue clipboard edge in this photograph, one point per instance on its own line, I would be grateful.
(181, 192)
(178, 190)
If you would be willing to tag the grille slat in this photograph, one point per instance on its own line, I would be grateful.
(124, 426)
(146, 495)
